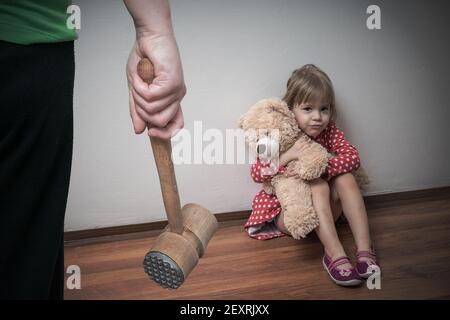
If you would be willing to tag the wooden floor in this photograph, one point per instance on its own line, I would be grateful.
(411, 236)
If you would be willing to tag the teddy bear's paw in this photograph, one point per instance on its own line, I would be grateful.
(313, 169)
(301, 224)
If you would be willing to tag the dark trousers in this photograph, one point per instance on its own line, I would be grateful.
(36, 138)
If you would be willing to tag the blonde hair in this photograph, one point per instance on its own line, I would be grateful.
(307, 84)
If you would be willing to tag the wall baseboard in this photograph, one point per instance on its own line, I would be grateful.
(372, 202)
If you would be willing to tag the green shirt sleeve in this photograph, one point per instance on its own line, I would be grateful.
(30, 21)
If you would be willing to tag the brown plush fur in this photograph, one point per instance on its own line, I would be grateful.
(293, 193)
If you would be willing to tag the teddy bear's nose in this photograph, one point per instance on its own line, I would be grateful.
(261, 149)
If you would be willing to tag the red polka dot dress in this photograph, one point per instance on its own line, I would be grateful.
(265, 207)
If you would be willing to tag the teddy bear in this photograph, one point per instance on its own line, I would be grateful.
(270, 129)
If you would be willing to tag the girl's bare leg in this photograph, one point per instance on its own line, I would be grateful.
(279, 222)
(336, 206)
(354, 210)
(326, 231)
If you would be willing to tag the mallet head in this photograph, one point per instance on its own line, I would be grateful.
(173, 256)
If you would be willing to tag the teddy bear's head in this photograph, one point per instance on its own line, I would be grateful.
(270, 123)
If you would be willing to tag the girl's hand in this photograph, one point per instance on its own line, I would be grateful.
(267, 187)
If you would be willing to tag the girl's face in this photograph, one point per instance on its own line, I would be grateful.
(312, 117)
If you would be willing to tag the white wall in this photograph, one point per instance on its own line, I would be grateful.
(392, 90)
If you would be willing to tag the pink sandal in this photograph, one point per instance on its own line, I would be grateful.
(363, 266)
(345, 278)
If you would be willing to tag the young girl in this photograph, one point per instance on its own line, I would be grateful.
(310, 96)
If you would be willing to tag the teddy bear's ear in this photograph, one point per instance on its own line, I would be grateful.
(241, 121)
(247, 118)
(278, 105)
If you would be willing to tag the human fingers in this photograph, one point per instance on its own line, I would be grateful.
(160, 119)
(171, 129)
(156, 106)
(139, 125)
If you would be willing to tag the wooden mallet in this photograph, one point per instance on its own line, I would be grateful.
(177, 250)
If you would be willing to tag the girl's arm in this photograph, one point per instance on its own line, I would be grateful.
(262, 172)
(346, 157)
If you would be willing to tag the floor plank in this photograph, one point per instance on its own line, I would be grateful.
(411, 238)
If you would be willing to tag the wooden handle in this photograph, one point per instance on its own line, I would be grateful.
(162, 151)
